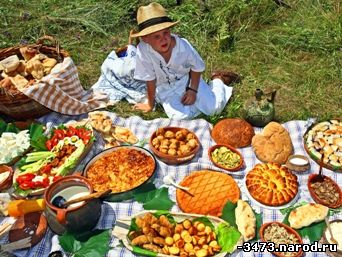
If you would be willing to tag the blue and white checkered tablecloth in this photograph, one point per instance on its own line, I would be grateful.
(143, 129)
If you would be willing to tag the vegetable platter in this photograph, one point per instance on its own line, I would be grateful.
(163, 234)
(55, 155)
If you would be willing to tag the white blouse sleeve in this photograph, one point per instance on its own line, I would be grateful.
(195, 60)
(143, 68)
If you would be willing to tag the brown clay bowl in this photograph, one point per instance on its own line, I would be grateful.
(288, 229)
(314, 178)
(169, 159)
(32, 224)
(236, 168)
(7, 183)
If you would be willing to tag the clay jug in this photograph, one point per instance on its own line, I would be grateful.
(259, 110)
(78, 217)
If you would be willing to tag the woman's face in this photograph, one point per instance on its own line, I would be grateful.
(160, 40)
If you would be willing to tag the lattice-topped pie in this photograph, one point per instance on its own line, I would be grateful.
(209, 192)
(272, 184)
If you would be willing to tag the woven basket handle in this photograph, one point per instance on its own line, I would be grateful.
(54, 42)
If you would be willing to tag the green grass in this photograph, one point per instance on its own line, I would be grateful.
(296, 51)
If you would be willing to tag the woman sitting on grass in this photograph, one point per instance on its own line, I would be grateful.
(172, 70)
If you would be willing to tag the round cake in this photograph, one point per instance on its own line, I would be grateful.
(235, 132)
(272, 184)
(209, 192)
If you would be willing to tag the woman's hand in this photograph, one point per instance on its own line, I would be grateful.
(189, 98)
(142, 107)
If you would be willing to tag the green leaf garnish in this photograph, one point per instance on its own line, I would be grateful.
(228, 213)
(95, 244)
(157, 199)
(227, 237)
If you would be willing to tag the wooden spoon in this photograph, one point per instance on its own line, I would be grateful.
(87, 197)
(332, 239)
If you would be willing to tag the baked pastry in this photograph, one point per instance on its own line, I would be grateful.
(245, 220)
(209, 192)
(10, 63)
(19, 81)
(35, 68)
(273, 144)
(235, 132)
(27, 52)
(272, 184)
(307, 214)
(48, 64)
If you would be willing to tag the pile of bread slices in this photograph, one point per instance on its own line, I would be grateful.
(20, 73)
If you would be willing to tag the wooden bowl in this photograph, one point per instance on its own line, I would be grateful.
(236, 168)
(315, 177)
(7, 183)
(289, 230)
(178, 159)
(298, 167)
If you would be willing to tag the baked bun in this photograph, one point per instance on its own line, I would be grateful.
(27, 52)
(245, 220)
(272, 184)
(235, 132)
(273, 144)
(307, 214)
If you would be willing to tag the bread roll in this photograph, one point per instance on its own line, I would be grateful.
(307, 214)
(245, 220)
(10, 64)
(28, 53)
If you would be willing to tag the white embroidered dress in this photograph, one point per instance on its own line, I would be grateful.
(173, 77)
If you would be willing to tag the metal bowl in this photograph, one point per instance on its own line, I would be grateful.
(128, 194)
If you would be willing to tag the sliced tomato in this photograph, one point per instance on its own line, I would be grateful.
(71, 131)
(46, 182)
(48, 144)
(59, 134)
(55, 178)
(46, 169)
(26, 177)
(26, 185)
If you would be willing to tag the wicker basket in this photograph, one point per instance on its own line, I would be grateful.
(17, 105)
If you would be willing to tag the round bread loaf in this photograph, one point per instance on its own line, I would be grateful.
(235, 132)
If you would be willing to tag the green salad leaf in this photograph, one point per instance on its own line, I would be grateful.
(90, 244)
(157, 199)
(38, 139)
(227, 237)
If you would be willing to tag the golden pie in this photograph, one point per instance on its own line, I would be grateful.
(209, 192)
(272, 184)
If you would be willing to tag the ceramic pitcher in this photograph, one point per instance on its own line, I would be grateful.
(79, 217)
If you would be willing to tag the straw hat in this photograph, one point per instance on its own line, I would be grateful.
(152, 18)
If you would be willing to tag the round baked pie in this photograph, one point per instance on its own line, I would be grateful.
(272, 184)
(209, 191)
(235, 132)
